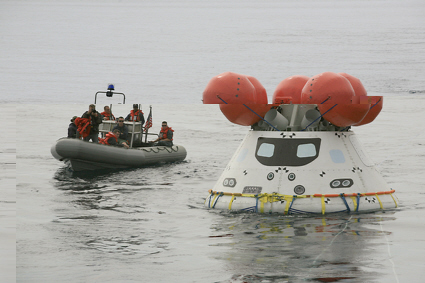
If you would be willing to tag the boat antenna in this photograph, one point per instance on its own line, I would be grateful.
(110, 109)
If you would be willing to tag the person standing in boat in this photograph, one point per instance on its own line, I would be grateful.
(107, 114)
(136, 115)
(112, 139)
(123, 130)
(72, 128)
(165, 136)
(95, 120)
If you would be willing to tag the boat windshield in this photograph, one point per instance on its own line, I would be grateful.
(287, 152)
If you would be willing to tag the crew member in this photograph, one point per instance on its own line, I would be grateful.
(112, 139)
(165, 136)
(136, 115)
(72, 128)
(95, 120)
(107, 114)
(122, 128)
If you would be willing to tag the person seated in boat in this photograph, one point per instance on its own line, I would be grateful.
(136, 115)
(95, 120)
(107, 114)
(72, 129)
(112, 139)
(122, 128)
(165, 136)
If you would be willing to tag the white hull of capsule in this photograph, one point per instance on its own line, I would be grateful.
(301, 172)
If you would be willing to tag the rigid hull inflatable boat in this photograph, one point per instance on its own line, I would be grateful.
(81, 155)
(297, 158)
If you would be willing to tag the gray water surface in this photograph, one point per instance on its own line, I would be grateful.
(166, 51)
(150, 224)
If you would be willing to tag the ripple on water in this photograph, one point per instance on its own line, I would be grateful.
(312, 245)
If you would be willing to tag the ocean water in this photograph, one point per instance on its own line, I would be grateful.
(8, 201)
(166, 51)
(150, 224)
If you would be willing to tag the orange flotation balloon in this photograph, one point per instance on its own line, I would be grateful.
(340, 98)
(289, 90)
(241, 115)
(232, 91)
(375, 102)
(327, 87)
(344, 115)
(229, 88)
(357, 85)
(260, 91)
(333, 95)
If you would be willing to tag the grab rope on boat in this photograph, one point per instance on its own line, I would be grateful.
(158, 149)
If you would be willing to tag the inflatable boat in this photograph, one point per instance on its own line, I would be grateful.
(81, 155)
(300, 156)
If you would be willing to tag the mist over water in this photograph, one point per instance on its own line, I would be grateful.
(149, 224)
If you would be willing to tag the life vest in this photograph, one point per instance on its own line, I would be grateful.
(163, 133)
(134, 116)
(108, 116)
(83, 126)
(108, 136)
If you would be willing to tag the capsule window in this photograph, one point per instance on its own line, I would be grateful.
(337, 156)
(242, 155)
(266, 150)
(306, 150)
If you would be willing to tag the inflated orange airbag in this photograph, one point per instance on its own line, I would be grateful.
(229, 88)
(241, 115)
(289, 90)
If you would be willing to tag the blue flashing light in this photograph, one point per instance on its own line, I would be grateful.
(111, 87)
